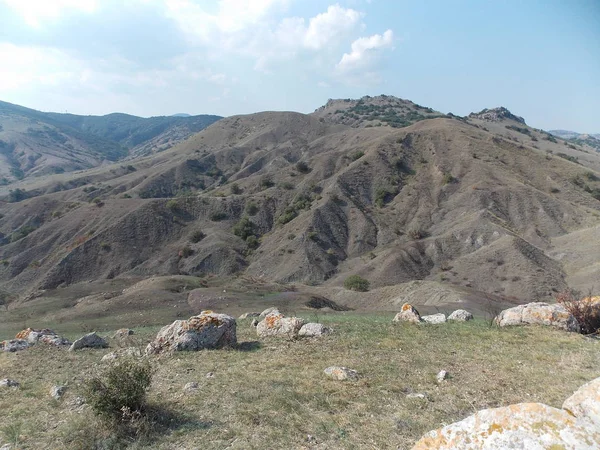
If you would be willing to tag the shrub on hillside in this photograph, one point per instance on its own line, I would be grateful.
(302, 167)
(356, 283)
(235, 189)
(197, 236)
(251, 209)
(585, 310)
(119, 392)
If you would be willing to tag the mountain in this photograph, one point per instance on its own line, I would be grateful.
(590, 140)
(34, 143)
(483, 205)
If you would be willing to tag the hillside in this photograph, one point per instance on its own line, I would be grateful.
(591, 140)
(34, 144)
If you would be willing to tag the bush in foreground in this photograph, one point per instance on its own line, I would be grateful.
(585, 310)
(356, 283)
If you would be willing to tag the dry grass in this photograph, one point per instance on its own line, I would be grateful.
(273, 394)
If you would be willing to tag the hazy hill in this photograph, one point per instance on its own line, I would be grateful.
(473, 204)
(33, 143)
(591, 140)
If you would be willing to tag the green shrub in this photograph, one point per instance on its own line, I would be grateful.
(252, 209)
(172, 205)
(17, 195)
(218, 216)
(448, 178)
(235, 189)
(287, 186)
(383, 196)
(266, 182)
(302, 167)
(197, 236)
(356, 283)
(357, 155)
(120, 389)
(244, 228)
(105, 246)
(186, 252)
(417, 233)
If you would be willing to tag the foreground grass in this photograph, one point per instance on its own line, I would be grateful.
(273, 394)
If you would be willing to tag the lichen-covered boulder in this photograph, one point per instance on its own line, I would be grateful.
(434, 318)
(460, 315)
(314, 330)
(341, 373)
(208, 330)
(585, 403)
(538, 313)
(44, 336)
(408, 313)
(14, 345)
(526, 426)
(90, 340)
(276, 324)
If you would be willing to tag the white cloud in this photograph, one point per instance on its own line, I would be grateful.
(327, 26)
(34, 12)
(364, 50)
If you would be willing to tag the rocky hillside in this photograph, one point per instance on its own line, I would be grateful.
(34, 143)
(591, 140)
(465, 203)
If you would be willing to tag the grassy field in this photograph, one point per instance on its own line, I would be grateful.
(272, 394)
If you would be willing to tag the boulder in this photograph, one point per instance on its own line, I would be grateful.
(208, 330)
(276, 324)
(56, 392)
(90, 340)
(268, 311)
(248, 315)
(341, 373)
(526, 426)
(14, 345)
(538, 313)
(8, 383)
(460, 315)
(408, 313)
(44, 336)
(585, 403)
(313, 330)
(434, 318)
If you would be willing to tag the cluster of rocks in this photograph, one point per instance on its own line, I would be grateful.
(275, 324)
(526, 425)
(409, 313)
(28, 337)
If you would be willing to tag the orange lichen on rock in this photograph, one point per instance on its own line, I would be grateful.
(24, 334)
(406, 307)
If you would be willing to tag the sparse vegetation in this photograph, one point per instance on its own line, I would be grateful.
(568, 157)
(448, 178)
(236, 189)
(186, 252)
(585, 310)
(357, 155)
(356, 283)
(197, 236)
(417, 233)
(218, 216)
(251, 208)
(302, 167)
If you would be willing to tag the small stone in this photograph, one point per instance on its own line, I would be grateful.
(434, 318)
(408, 313)
(123, 333)
(441, 376)
(109, 357)
(6, 447)
(90, 340)
(210, 375)
(191, 386)
(77, 402)
(7, 382)
(460, 315)
(314, 330)
(341, 373)
(417, 395)
(56, 392)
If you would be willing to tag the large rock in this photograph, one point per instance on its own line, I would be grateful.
(538, 314)
(44, 336)
(460, 315)
(277, 325)
(314, 330)
(434, 318)
(268, 311)
(90, 340)
(14, 345)
(208, 330)
(526, 426)
(408, 313)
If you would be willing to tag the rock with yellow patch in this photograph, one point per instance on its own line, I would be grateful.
(408, 313)
(276, 324)
(532, 426)
(585, 403)
(208, 330)
(44, 336)
(538, 313)
(341, 373)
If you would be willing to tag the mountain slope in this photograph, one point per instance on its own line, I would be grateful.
(33, 143)
(289, 197)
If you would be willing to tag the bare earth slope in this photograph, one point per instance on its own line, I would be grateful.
(294, 198)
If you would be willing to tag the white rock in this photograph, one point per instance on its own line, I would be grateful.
(268, 311)
(460, 315)
(538, 313)
(341, 373)
(434, 318)
(276, 325)
(314, 330)
(56, 392)
(441, 376)
(408, 313)
(7, 382)
(191, 386)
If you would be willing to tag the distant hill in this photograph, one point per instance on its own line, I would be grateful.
(592, 140)
(34, 143)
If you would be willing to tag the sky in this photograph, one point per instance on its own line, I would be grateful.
(538, 58)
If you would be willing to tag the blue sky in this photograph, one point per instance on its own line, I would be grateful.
(541, 59)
